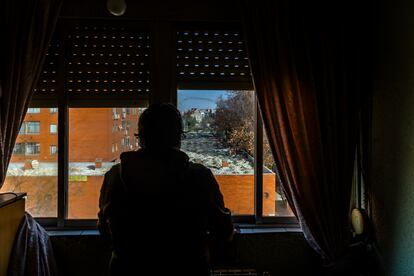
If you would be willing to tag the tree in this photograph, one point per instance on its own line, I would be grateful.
(234, 123)
(234, 120)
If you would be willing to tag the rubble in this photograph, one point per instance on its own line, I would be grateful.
(201, 147)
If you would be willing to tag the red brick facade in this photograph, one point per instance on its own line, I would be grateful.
(94, 133)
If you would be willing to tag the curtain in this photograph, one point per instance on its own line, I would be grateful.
(305, 62)
(27, 27)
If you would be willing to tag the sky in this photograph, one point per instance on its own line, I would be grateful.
(201, 99)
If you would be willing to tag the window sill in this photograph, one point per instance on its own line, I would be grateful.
(242, 230)
(60, 233)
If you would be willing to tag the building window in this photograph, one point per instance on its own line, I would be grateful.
(53, 110)
(33, 110)
(53, 149)
(32, 127)
(32, 148)
(53, 128)
(22, 129)
(19, 148)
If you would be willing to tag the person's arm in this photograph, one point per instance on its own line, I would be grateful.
(105, 198)
(220, 222)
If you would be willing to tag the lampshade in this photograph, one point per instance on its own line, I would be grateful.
(357, 221)
(116, 7)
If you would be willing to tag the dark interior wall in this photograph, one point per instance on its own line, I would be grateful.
(178, 10)
(284, 253)
(393, 136)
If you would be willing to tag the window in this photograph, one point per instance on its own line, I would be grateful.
(53, 149)
(102, 77)
(32, 127)
(32, 148)
(95, 104)
(33, 169)
(220, 127)
(90, 156)
(223, 129)
(19, 148)
(274, 200)
(33, 110)
(219, 133)
(53, 128)
(22, 129)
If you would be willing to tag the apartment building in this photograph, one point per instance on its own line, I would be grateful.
(96, 134)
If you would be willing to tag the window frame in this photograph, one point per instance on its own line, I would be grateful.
(162, 40)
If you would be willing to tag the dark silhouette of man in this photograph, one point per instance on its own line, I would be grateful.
(159, 210)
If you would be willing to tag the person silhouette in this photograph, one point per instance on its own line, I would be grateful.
(158, 210)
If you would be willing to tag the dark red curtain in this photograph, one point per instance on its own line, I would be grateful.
(27, 27)
(305, 61)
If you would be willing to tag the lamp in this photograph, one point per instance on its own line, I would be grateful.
(357, 220)
(116, 7)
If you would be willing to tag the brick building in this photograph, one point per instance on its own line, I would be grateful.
(96, 134)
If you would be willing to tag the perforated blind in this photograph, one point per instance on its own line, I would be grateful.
(107, 59)
(47, 83)
(216, 57)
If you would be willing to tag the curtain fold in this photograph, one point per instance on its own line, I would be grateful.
(305, 62)
(27, 28)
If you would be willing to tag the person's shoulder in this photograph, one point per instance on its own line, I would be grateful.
(130, 154)
(198, 168)
(113, 170)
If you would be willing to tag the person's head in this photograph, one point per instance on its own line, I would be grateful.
(160, 127)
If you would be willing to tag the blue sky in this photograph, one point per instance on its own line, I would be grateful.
(187, 99)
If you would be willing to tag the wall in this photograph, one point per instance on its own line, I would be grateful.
(393, 136)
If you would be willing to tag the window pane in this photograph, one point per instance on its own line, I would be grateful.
(97, 136)
(23, 128)
(274, 199)
(219, 133)
(32, 148)
(53, 128)
(33, 110)
(19, 148)
(32, 168)
(32, 127)
(53, 149)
